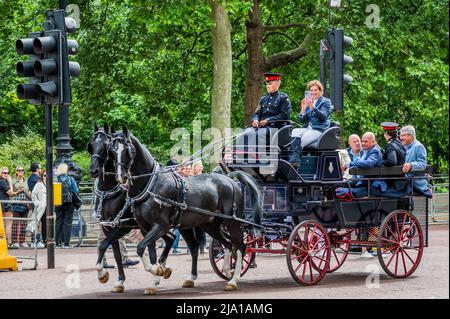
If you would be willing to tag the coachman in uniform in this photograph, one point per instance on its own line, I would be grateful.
(394, 152)
(273, 107)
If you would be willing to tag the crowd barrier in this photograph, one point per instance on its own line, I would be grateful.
(22, 242)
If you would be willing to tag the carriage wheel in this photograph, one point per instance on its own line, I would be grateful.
(308, 256)
(400, 244)
(217, 252)
(339, 248)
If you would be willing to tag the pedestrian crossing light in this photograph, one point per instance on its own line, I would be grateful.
(338, 60)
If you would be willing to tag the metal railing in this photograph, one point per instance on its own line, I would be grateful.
(439, 204)
(23, 243)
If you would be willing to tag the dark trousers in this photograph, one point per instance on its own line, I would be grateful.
(63, 223)
(43, 228)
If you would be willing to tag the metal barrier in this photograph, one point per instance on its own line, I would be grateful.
(439, 204)
(22, 243)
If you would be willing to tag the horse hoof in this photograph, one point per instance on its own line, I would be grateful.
(188, 284)
(118, 289)
(230, 287)
(159, 271)
(167, 273)
(150, 291)
(104, 279)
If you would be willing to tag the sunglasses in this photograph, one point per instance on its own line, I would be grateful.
(19, 170)
(5, 172)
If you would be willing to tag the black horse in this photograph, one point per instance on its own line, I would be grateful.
(109, 202)
(162, 200)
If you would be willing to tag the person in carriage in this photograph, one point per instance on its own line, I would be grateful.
(315, 114)
(416, 159)
(371, 157)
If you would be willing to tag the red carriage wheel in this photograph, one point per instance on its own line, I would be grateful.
(217, 254)
(400, 244)
(339, 248)
(308, 256)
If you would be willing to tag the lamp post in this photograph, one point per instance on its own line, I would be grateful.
(63, 147)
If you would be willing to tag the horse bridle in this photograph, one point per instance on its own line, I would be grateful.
(131, 154)
(104, 160)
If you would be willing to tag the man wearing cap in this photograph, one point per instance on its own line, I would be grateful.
(394, 153)
(274, 106)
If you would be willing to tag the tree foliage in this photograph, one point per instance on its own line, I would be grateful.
(149, 65)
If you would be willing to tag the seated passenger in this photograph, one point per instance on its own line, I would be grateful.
(416, 158)
(371, 157)
(354, 150)
(315, 114)
(394, 153)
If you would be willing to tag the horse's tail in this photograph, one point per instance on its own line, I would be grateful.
(255, 193)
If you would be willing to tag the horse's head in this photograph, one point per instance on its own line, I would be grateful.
(123, 153)
(98, 146)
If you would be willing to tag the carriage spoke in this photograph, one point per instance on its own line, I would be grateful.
(396, 260)
(383, 239)
(407, 255)
(317, 242)
(392, 257)
(310, 270)
(403, 260)
(403, 224)
(393, 235)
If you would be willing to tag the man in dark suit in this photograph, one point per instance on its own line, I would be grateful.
(274, 106)
(315, 114)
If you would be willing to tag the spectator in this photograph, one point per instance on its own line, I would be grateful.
(64, 213)
(20, 192)
(354, 151)
(197, 168)
(39, 198)
(6, 190)
(416, 158)
(36, 173)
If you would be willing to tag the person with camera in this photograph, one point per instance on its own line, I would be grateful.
(315, 114)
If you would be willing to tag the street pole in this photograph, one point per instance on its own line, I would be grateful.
(63, 147)
(49, 186)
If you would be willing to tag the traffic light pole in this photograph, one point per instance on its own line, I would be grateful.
(49, 186)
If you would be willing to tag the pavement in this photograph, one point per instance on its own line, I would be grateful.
(75, 276)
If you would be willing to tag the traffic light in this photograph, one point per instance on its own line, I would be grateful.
(48, 66)
(338, 42)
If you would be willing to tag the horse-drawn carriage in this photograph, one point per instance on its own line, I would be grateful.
(276, 207)
(308, 222)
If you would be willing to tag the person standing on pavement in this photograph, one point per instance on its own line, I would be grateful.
(64, 213)
(39, 199)
(6, 190)
(36, 173)
(22, 193)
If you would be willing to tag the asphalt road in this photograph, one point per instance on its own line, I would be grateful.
(76, 277)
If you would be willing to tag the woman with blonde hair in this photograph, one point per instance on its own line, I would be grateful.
(64, 213)
(197, 168)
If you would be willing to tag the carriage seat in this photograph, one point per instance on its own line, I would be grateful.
(386, 171)
(328, 140)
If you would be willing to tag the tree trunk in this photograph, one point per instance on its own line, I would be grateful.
(222, 76)
(255, 67)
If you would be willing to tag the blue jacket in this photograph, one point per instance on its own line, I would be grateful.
(416, 155)
(352, 156)
(319, 117)
(371, 158)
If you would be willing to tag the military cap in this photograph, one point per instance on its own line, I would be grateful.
(270, 76)
(389, 126)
